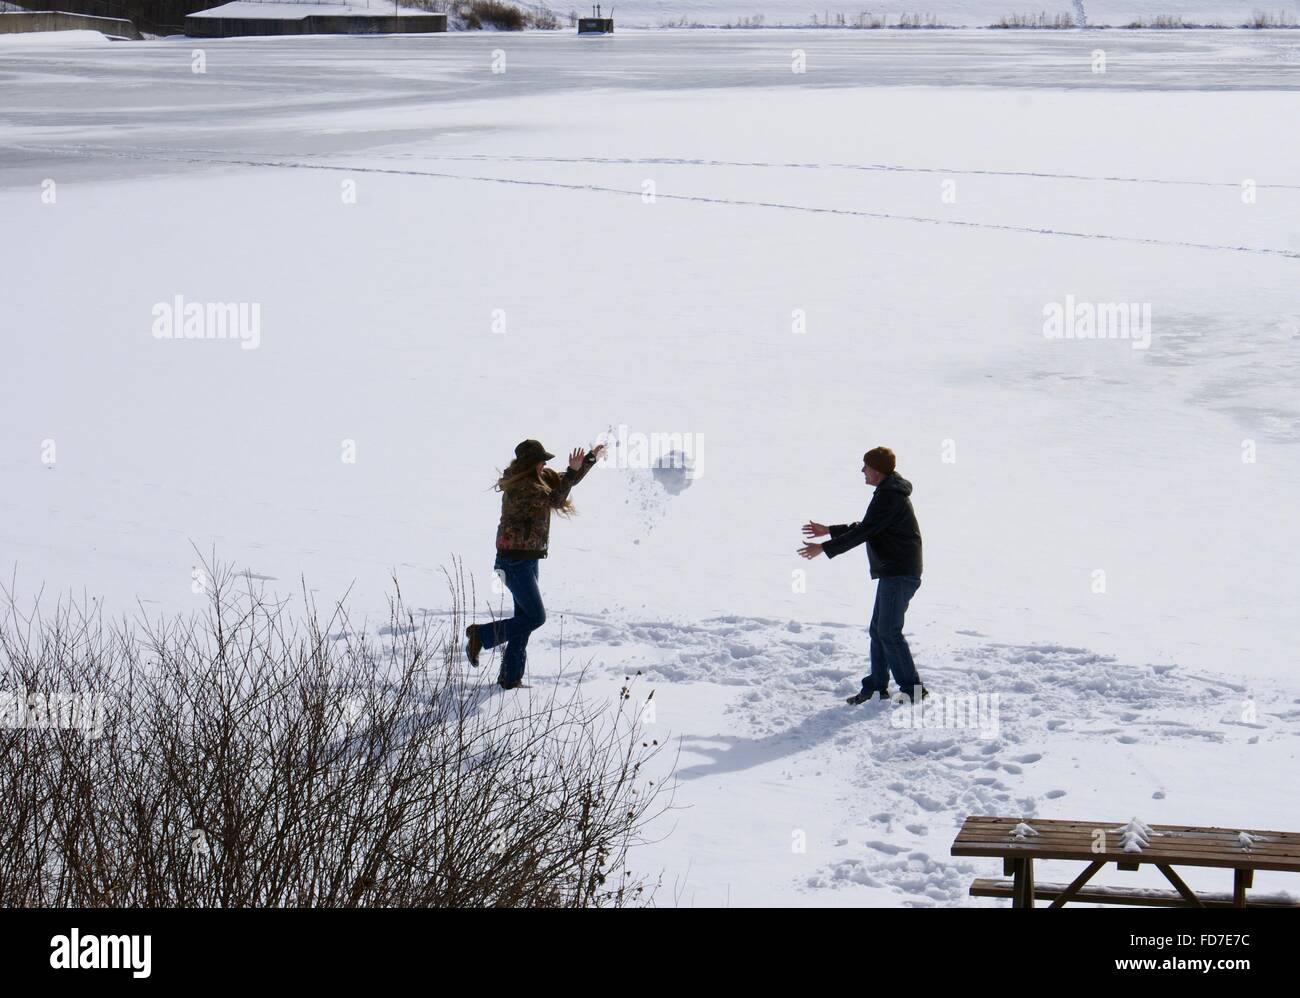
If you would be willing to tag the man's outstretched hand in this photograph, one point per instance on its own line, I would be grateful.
(813, 529)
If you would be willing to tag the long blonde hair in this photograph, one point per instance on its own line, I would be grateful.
(522, 472)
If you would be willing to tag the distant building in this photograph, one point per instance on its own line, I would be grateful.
(596, 24)
(248, 17)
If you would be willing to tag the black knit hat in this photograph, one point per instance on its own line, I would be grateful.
(532, 450)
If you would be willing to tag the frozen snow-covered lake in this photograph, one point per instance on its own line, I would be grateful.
(447, 260)
(331, 72)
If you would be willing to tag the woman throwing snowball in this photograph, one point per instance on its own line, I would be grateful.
(530, 492)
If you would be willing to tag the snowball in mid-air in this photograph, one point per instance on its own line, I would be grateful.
(673, 471)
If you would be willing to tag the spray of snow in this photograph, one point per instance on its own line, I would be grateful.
(648, 488)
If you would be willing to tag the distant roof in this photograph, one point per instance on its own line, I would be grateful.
(298, 11)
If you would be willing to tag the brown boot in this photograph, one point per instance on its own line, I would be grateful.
(473, 644)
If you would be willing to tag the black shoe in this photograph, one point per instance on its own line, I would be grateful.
(908, 697)
(508, 686)
(473, 644)
(862, 696)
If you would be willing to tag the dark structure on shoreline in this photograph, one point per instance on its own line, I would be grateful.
(174, 17)
(16, 22)
(213, 23)
(158, 17)
(596, 24)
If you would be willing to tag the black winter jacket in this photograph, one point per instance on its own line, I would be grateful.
(888, 527)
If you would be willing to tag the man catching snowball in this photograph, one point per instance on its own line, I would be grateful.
(893, 539)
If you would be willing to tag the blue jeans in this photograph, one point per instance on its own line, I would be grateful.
(889, 651)
(520, 577)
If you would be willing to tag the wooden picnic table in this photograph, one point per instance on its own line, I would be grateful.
(1020, 841)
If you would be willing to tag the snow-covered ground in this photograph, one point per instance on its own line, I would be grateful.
(446, 260)
(53, 38)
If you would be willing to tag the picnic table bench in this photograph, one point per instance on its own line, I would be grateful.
(1020, 841)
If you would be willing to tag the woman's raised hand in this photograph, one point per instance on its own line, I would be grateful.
(575, 459)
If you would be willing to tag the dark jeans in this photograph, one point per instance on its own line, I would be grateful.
(889, 651)
(520, 577)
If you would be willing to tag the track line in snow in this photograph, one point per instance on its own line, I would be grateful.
(706, 199)
(867, 167)
(755, 164)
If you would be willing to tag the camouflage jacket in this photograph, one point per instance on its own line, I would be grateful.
(525, 528)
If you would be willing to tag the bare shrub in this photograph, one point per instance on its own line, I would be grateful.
(544, 19)
(920, 21)
(1168, 22)
(1271, 19)
(251, 757)
(502, 16)
(1042, 20)
(868, 21)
